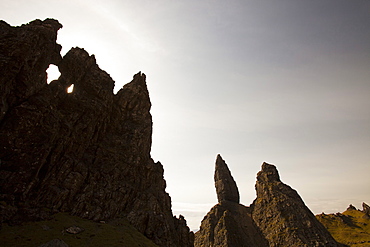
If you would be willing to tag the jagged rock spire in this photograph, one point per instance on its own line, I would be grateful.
(282, 216)
(225, 184)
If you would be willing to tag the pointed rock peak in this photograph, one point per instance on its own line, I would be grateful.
(140, 78)
(268, 174)
(351, 207)
(365, 208)
(225, 185)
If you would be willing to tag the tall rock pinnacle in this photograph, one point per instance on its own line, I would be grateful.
(225, 185)
(228, 223)
(282, 216)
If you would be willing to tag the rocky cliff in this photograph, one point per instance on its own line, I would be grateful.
(277, 217)
(87, 152)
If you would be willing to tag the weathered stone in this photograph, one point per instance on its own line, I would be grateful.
(351, 207)
(366, 208)
(225, 184)
(74, 230)
(282, 216)
(228, 223)
(87, 152)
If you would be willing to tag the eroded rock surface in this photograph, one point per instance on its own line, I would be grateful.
(282, 216)
(366, 208)
(87, 152)
(226, 188)
(228, 223)
(277, 217)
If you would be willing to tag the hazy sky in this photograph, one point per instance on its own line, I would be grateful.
(281, 81)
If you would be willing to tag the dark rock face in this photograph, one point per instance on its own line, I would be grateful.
(351, 207)
(225, 185)
(366, 208)
(228, 223)
(282, 216)
(87, 152)
(277, 217)
(25, 54)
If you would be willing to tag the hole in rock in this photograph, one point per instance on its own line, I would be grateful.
(70, 88)
(52, 73)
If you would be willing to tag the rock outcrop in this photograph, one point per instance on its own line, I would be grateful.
(228, 223)
(225, 184)
(87, 152)
(366, 209)
(282, 216)
(277, 217)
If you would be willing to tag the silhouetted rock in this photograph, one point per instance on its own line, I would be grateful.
(87, 152)
(366, 208)
(282, 216)
(228, 223)
(351, 207)
(225, 185)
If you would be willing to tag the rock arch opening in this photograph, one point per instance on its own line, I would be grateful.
(52, 73)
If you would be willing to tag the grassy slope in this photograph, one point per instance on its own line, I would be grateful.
(352, 227)
(115, 233)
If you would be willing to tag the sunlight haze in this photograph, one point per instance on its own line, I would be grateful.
(285, 82)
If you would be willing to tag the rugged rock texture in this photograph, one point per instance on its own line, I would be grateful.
(282, 216)
(366, 209)
(277, 217)
(228, 223)
(225, 185)
(87, 152)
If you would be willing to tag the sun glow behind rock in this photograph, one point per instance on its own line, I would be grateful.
(52, 73)
(70, 88)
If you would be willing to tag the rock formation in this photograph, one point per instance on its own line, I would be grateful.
(225, 185)
(88, 152)
(277, 217)
(351, 207)
(366, 208)
(282, 216)
(228, 223)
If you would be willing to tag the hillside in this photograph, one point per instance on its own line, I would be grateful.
(117, 232)
(352, 227)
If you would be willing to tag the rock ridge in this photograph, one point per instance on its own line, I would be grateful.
(85, 152)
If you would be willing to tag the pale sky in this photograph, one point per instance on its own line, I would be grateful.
(281, 81)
